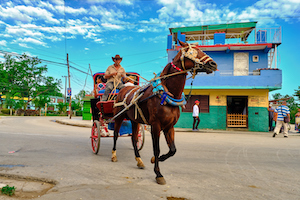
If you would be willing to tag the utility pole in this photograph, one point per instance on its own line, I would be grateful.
(70, 101)
(65, 88)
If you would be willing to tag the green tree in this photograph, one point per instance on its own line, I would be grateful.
(24, 77)
(40, 101)
(297, 93)
(62, 107)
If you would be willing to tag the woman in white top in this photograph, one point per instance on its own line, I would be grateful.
(196, 115)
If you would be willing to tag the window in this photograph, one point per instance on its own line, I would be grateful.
(204, 103)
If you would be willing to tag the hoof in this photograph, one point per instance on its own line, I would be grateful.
(114, 156)
(161, 180)
(114, 159)
(153, 160)
(140, 163)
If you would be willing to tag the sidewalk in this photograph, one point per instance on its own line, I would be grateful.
(77, 121)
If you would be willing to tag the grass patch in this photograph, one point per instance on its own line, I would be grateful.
(7, 190)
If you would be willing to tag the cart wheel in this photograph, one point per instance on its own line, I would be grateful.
(141, 137)
(95, 137)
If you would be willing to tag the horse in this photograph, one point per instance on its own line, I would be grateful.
(160, 116)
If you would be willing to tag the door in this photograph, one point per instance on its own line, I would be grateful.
(241, 64)
(237, 112)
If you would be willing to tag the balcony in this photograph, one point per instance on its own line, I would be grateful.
(258, 79)
(220, 34)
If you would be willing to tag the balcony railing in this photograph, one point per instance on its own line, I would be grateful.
(256, 36)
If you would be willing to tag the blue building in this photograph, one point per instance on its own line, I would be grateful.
(235, 96)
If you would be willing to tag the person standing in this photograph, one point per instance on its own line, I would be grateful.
(281, 112)
(271, 116)
(196, 115)
(114, 75)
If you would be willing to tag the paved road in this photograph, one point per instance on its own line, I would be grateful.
(207, 165)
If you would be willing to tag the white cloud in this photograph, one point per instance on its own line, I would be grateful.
(58, 2)
(124, 2)
(27, 14)
(98, 41)
(87, 49)
(54, 38)
(24, 45)
(112, 26)
(3, 43)
(30, 40)
(24, 30)
(75, 11)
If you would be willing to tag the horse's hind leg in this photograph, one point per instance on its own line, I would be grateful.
(155, 132)
(134, 139)
(118, 123)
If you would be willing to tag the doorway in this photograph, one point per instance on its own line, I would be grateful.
(237, 111)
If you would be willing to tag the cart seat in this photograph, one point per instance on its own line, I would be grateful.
(105, 107)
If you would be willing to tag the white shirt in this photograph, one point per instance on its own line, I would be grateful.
(195, 111)
(129, 84)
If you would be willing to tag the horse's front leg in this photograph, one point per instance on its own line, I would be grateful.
(155, 132)
(169, 135)
(118, 123)
(134, 139)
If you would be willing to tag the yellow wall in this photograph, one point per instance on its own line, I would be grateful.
(256, 97)
(17, 98)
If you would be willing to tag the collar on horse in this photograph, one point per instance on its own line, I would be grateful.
(175, 67)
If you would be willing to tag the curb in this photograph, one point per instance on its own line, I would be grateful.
(73, 123)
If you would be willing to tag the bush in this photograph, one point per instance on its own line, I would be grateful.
(79, 113)
(7, 111)
(51, 112)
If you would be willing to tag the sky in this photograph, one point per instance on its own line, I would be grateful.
(91, 32)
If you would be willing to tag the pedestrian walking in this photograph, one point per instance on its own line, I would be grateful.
(279, 114)
(196, 115)
(271, 116)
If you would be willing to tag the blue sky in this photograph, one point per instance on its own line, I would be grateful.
(92, 31)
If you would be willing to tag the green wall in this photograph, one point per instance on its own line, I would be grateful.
(216, 119)
(86, 111)
(258, 119)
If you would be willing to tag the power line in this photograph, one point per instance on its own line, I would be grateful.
(126, 55)
(20, 49)
(147, 61)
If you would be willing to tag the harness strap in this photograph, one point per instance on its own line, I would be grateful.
(175, 67)
(124, 100)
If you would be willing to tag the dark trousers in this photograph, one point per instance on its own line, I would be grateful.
(271, 124)
(196, 122)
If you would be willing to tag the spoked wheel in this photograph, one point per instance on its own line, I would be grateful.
(141, 137)
(95, 136)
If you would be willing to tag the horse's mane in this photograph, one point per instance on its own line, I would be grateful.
(167, 67)
(177, 57)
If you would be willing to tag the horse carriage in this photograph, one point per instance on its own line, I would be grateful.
(156, 104)
(102, 112)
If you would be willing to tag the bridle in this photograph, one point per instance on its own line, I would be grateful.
(191, 53)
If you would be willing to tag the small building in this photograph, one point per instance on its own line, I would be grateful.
(235, 96)
(54, 101)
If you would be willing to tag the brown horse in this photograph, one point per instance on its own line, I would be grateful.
(160, 117)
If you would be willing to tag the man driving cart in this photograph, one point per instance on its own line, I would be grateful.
(114, 75)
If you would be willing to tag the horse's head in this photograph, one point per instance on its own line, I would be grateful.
(193, 58)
